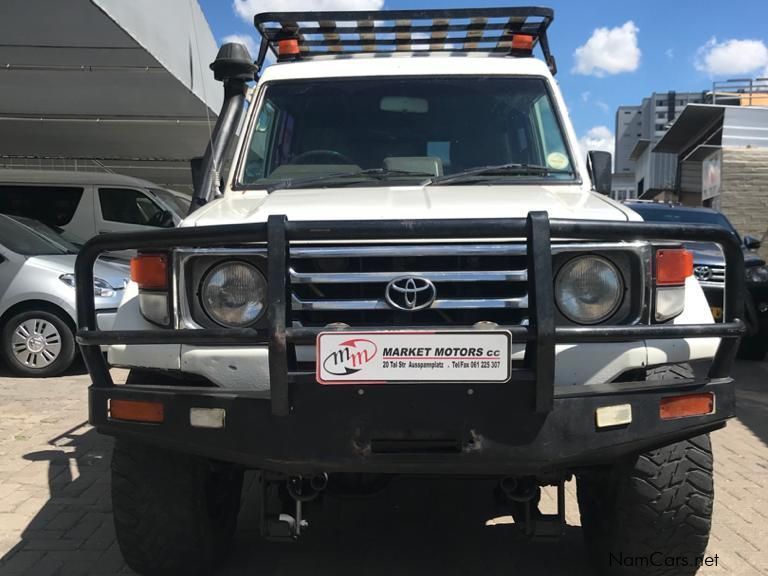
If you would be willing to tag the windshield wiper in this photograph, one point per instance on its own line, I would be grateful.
(355, 177)
(500, 170)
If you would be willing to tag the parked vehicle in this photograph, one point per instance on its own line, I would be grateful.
(408, 271)
(709, 269)
(84, 204)
(37, 297)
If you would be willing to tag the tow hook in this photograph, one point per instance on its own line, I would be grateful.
(524, 496)
(283, 526)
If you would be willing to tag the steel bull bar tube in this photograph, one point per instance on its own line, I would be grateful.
(540, 336)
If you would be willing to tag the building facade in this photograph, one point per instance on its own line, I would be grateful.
(638, 169)
(722, 155)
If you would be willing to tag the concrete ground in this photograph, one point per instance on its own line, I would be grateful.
(55, 505)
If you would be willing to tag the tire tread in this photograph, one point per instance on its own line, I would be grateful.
(160, 511)
(661, 502)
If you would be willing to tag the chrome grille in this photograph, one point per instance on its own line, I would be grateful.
(348, 284)
(710, 275)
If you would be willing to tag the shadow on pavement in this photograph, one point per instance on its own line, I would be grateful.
(72, 532)
(77, 369)
(415, 526)
(752, 397)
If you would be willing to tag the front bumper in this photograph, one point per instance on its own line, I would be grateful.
(434, 429)
(522, 425)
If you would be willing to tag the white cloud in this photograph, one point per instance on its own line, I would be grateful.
(606, 109)
(609, 51)
(732, 57)
(669, 53)
(585, 96)
(597, 138)
(249, 42)
(247, 9)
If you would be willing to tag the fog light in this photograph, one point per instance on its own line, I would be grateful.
(618, 415)
(207, 417)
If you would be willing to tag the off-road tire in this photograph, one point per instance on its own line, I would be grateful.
(653, 508)
(754, 348)
(670, 372)
(173, 513)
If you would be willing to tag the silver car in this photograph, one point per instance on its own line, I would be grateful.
(37, 297)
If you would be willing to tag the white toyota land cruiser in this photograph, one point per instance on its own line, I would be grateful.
(408, 270)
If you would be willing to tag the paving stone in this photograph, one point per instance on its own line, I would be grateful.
(55, 509)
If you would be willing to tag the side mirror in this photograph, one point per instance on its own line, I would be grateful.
(600, 166)
(752, 243)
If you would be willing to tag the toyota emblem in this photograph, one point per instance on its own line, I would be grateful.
(410, 293)
(703, 273)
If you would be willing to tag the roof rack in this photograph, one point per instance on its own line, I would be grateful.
(509, 31)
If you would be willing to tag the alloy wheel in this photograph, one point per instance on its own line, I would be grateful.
(36, 343)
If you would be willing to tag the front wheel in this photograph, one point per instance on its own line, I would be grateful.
(37, 343)
(652, 515)
(174, 513)
(754, 348)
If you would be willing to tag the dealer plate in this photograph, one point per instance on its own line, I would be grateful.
(470, 356)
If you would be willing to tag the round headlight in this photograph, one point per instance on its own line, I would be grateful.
(233, 294)
(588, 289)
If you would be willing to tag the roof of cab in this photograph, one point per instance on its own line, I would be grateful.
(70, 177)
(406, 64)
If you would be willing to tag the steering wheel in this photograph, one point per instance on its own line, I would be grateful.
(161, 219)
(311, 157)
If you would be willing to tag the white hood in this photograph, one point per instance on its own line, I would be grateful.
(378, 203)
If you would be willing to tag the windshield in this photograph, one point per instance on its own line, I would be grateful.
(403, 130)
(178, 204)
(32, 238)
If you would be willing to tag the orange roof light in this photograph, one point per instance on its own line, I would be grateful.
(673, 266)
(136, 411)
(522, 42)
(688, 405)
(150, 270)
(289, 47)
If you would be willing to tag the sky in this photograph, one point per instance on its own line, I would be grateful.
(609, 52)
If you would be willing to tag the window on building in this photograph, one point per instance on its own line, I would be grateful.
(132, 207)
(661, 115)
(51, 205)
(660, 127)
(660, 103)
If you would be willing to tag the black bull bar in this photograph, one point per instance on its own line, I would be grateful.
(541, 335)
